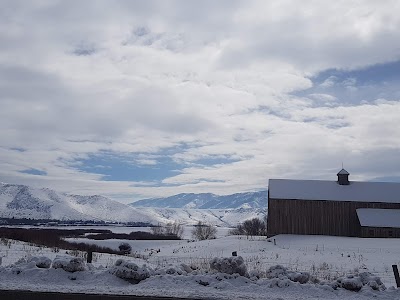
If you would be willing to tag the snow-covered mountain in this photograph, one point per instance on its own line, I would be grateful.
(219, 217)
(21, 201)
(208, 201)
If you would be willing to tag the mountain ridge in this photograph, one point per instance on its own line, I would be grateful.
(21, 201)
(207, 201)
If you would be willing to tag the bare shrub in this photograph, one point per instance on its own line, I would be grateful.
(203, 231)
(157, 230)
(170, 229)
(175, 228)
(125, 248)
(252, 227)
(238, 230)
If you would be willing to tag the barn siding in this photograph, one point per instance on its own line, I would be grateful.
(381, 232)
(317, 216)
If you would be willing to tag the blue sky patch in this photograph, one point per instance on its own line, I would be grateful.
(352, 87)
(215, 160)
(375, 74)
(129, 167)
(34, 172)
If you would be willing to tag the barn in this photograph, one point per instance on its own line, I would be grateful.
(340, 208)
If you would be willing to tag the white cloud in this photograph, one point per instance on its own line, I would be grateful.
(143, 77)
(324, 98)
(329, 82)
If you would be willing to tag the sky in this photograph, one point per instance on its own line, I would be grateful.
(140, 99)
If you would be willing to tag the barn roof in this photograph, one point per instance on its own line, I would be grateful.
(331, 190)
(373, 217)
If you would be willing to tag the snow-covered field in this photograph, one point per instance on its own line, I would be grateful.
(322, 256)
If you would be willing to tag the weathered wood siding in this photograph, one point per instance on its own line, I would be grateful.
(381, 232)
(317, 216)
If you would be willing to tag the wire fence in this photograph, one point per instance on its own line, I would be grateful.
(323, 271)
(10, 253)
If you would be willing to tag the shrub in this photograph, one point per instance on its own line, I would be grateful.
(229, 265)
(281, 272)
(130, 271)
(54, 238)
(203, 231)
(252, 227)
(125, 248)
(157, 230)
(69, 263)
(41, 262)
(170, 229)
(351, 283)
(175, 229)
(355, 282)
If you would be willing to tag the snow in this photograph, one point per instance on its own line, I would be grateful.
(207, 201)
(69, 263)
(22, 201)
(229, 265)
(184, 269)
(343, 172)
(331, 190)
(219, 217)
(374, 217)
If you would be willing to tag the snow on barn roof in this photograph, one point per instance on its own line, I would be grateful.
(374, 217)
(331, 190)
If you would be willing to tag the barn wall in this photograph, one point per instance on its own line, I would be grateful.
(317, 216)
(381, 232)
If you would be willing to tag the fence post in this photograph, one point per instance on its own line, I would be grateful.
(89, 257)
(396, 275)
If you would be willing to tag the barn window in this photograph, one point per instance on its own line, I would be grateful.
(371, 232)
(390, 233)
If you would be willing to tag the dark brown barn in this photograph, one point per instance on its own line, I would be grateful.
(341, 208)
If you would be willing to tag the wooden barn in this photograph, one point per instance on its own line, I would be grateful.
(341, 208)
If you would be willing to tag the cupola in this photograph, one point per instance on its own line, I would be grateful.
(343, 177)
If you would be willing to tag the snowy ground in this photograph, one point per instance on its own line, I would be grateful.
(325, 257)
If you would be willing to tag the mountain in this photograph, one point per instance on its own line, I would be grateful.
(208, 201)
(21, 201)
(219, 217)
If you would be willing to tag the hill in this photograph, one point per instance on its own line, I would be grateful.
(208, 201)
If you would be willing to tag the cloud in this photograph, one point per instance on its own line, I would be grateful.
(260, 90)
(329, 82)
(324, 98)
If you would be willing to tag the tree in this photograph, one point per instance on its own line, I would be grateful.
(254, 227)
(157, 230)
(125, 248)
(203, 231)
(175, 229)
(251, 227)
(238, 230)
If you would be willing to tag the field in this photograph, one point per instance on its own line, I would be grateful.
(327, 258)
